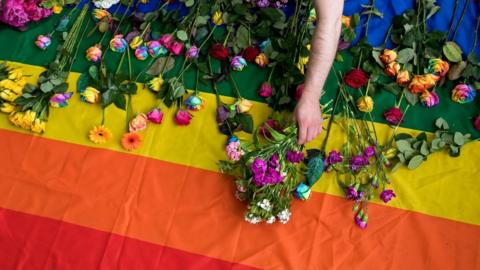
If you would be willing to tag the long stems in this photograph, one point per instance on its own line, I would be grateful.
(455, 7)
(476, 35)
(368, 19)
(464, 11)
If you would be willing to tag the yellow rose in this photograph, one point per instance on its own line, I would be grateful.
(15, 74)
(217, 18)
(244, 105)
(262, 60)
(90, 95)
(22, 82)
(8, 95)
(365, 104)
(303, 61)
(155, 84)
(346, 21)
(136, 42)
(15, 118)
(38, 126)
(28, 119)
(57, 9)
(7, 107)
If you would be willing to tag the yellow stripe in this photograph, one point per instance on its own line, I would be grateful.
(442, 186)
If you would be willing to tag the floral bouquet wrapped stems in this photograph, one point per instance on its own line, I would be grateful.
(266, 172)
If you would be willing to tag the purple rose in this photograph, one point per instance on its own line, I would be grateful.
(387, 195)
(294, 156)
(222, 114)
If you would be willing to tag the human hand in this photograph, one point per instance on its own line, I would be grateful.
(308, 116)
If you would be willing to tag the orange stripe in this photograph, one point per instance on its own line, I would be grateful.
(194, 210)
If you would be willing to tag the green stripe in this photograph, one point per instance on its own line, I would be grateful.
(19, 46)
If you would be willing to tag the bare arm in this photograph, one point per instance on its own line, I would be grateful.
(322, 54)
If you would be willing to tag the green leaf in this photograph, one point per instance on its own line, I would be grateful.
(456, 70)
(441, 123)
(93, 71)
(411, 98)
(458, 139)
(406, 55)
(165, 63)
(61, 88)
(241, 40)
(82, 82)
(393, 88)
(119, 101)
(46, 87)
(246, 121)
(415, 161)
(376, 55)
(452, 52)
(403, 145)
(182, 35)
(424, 149)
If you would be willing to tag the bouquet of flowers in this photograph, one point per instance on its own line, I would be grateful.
(266, 172)
(17, 13)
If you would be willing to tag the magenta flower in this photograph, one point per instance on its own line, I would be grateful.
(361, 219)
(265, 90)
(155, 116)
(14, 14)
(476, 123)
(387, 195)
(294, 156)
(369, 151)
(258, 167)
(334, 157)
(182, 118)
(357, 162)
(176, 48)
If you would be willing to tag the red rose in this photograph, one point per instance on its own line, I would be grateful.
(476, 123)
(393, 116)
(218, 51)
(250, 53)
(356, 78)
(299, 91)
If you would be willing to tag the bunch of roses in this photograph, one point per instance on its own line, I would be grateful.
(418, 84)
(11, 87)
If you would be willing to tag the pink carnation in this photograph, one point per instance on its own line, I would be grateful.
(14, 14)
(35, 12)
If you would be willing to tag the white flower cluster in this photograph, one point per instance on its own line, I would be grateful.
(105, 4)
(271, 220)
(250, 218)
(284, 216)
(265, 205)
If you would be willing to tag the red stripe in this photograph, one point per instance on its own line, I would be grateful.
(33, 242)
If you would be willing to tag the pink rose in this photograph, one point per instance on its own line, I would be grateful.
(138, 123)
(393, 116)
(476, 123)
(299, 91)
(166, 40)
(155, 116)
(265, 90)
(14, 14)
(176, 48)
(182, 118)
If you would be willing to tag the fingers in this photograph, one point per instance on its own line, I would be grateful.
(302, 133)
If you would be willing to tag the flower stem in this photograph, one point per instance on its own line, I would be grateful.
(452, 20)
(214, 85)
(235, 87)
(368, 18)
(464, 11)
(476, 35)
(129, 65)
(270, 75)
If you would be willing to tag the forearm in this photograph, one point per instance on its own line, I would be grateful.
(324, 46)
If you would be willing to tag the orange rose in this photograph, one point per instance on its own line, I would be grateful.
(388, 56)
(392, 69)
(421, 83)
(403, 77)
